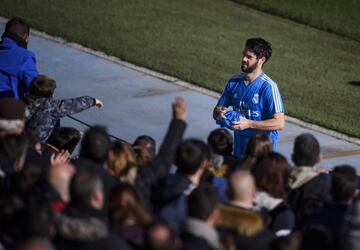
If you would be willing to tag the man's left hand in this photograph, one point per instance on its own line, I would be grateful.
(242, 124)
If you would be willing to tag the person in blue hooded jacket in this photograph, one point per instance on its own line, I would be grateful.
(17, 64)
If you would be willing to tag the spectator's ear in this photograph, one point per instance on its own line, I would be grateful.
(320, 158)
(97, 199)
(214, 216)
(111, 156)
(19, 163)
(356, 193)
(205, 164)
(27, 38)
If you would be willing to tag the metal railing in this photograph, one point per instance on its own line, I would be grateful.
(89, 126)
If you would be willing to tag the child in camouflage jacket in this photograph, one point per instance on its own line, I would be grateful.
(45, 111)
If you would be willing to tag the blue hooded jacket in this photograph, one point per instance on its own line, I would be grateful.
(17, 68)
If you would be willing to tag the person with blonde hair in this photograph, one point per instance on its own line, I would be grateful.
(122, 162)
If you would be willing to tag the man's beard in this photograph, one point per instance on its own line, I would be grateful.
(249, 69)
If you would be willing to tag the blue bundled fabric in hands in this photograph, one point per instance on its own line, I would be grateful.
(231, 116)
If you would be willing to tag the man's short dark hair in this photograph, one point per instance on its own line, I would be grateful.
(221, 141)
(42, 85)
(65, 138)
(190, 154)
(202, 202)
(17, 26)
(259, 47)
(95, 144)
(343, 183)
(306, 150)
(82, 186)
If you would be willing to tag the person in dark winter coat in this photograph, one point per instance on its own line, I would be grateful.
(83, 224)
(160, 165)
(46, 111)
(199, 232)
(343, 191)
(242, 228)
(308, 188)
(170, 193)
(53, 191)
(94, 151)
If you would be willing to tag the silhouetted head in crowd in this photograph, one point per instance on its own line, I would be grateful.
(271, 174)
(343, 184)
(95, 145)
(306, 151)
(65, 138)
(258, 145)
(18, 29)
(144, 147)
(221, 142)
(159, 236)
(290, 242)
(317, 237)
(12, 116)
(43, 86)
(192, 156)
(13, 149)
(40, 223)
(38, 244)
(202, 204)
(122, 162)
(86, 190)
(126, 206)
(12, 214)
(242, 188)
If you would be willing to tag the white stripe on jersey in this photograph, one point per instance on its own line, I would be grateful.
(275, 92)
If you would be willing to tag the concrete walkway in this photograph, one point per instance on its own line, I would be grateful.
(138, 103)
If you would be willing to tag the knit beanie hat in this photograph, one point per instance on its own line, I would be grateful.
(12, 113)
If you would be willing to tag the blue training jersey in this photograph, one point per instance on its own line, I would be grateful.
(257, 101)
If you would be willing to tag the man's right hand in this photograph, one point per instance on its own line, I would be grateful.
(219, 112)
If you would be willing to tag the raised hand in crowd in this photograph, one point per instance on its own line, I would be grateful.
(62, 157)
(98, 103)
(179, 108)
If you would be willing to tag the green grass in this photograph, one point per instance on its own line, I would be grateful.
(339, 16)
(201, 41)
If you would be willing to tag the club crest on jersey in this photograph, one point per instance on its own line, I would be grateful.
(255, 98)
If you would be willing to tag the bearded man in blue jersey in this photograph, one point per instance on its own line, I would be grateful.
(255, 99)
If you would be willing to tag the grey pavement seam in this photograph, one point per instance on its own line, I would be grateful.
(180, 82)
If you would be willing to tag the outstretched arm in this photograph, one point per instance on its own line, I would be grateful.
(174, 135)
(75, 105)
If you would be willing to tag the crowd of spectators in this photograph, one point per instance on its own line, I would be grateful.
(190, 194)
